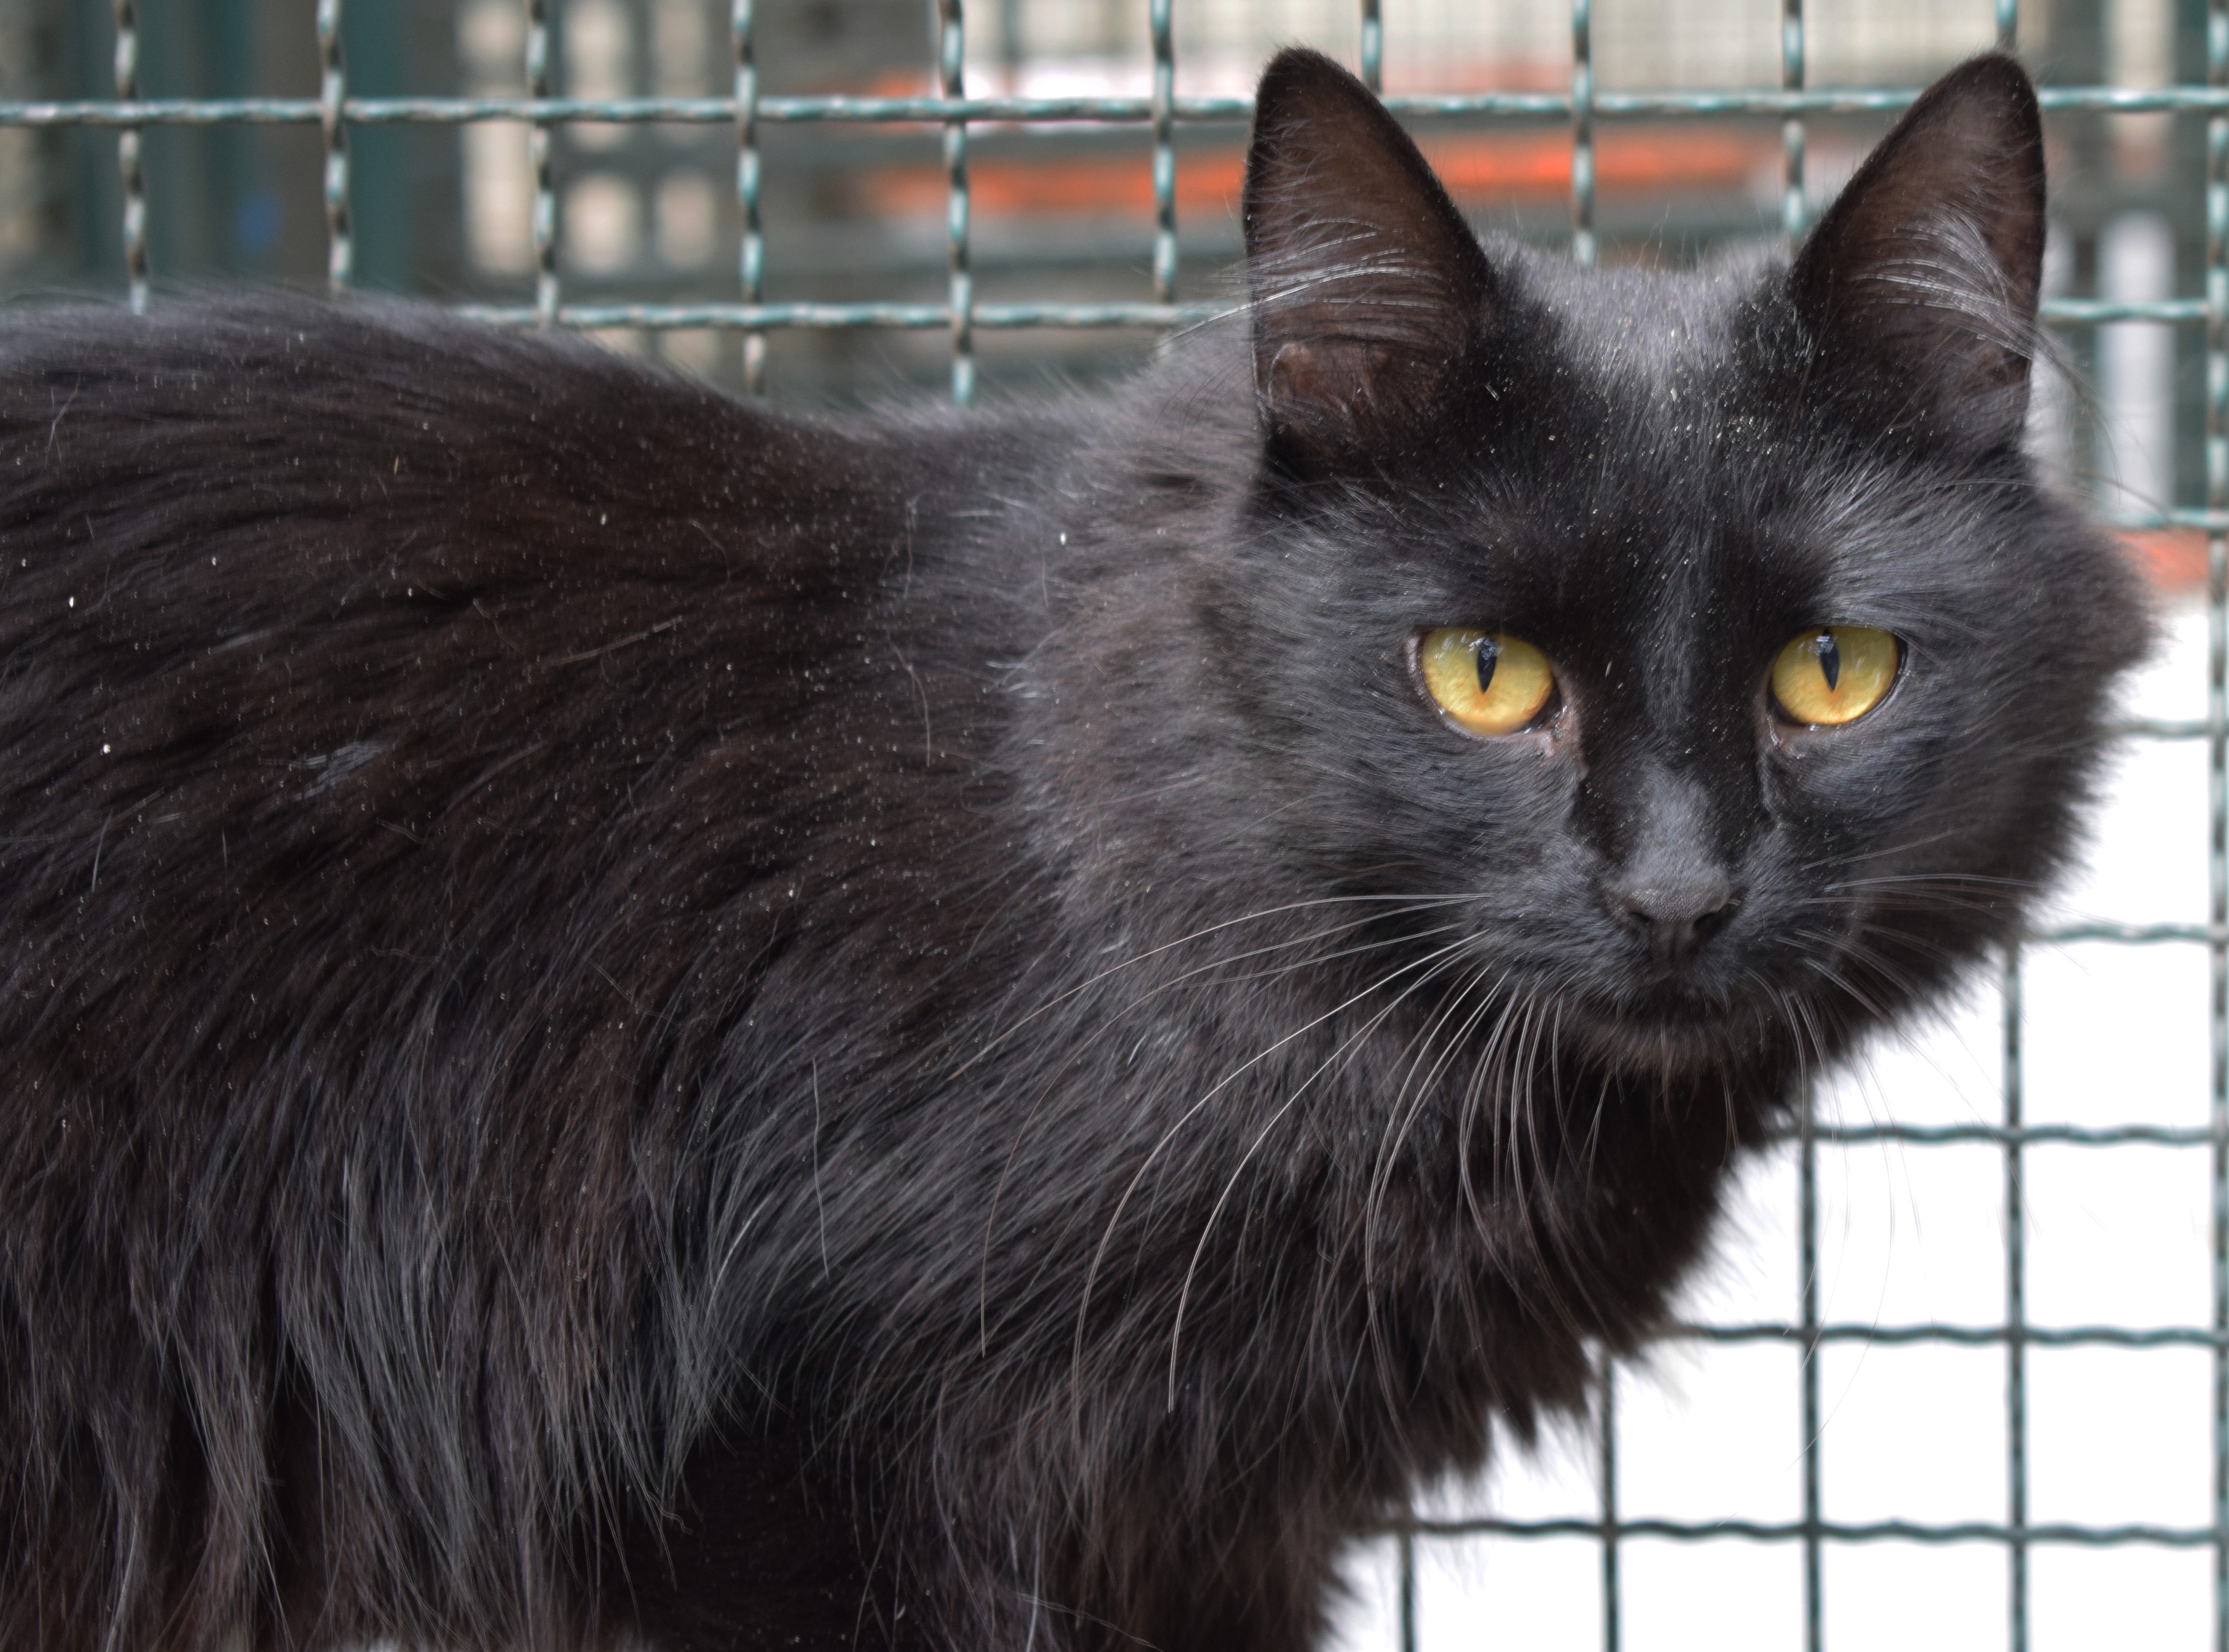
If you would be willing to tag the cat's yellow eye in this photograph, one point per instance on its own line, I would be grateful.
(1487, 681)
(1833, 674)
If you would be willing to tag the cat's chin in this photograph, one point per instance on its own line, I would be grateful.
(1667, 1034)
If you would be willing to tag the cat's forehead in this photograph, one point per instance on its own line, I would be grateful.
(1642, 486)
(1612, 429)
(1642, 415)
(1638, 331)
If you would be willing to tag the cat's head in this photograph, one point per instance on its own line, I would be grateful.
(1706, 635)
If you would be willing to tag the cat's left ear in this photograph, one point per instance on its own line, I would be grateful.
(1920, 285)
(1367, 286)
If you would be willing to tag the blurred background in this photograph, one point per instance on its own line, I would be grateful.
(1061, 212)
(1794, 1488)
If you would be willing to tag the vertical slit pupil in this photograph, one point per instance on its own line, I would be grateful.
(1830, 657)
(1487, 655)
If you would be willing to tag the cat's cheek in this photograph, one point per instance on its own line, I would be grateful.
(1559, 739)
(1828, 790)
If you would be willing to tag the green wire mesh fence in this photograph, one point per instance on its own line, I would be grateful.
(341, 115)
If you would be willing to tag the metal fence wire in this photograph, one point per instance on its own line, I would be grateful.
(340, 114)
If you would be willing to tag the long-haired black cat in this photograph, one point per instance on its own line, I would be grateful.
(632, 1019)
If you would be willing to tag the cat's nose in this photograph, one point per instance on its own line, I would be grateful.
(1678, 913)
(1671, 882)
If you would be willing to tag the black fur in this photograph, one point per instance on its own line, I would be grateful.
(629, 1016)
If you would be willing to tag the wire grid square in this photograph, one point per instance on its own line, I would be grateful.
(2012, 1366)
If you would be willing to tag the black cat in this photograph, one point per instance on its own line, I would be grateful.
(628, 1017)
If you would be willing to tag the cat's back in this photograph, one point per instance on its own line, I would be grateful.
(361, 431)
(276, 573)
(388, 685)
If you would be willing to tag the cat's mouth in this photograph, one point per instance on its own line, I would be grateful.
(1670, 1023)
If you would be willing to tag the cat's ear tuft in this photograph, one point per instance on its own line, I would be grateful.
(1920, 285)
(1367, 286)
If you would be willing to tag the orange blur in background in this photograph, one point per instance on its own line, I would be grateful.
(1480, 168)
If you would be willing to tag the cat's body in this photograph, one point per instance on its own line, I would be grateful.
(626, 1015)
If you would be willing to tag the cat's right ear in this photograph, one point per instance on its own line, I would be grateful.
(1367, 286)
(1920, 285)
